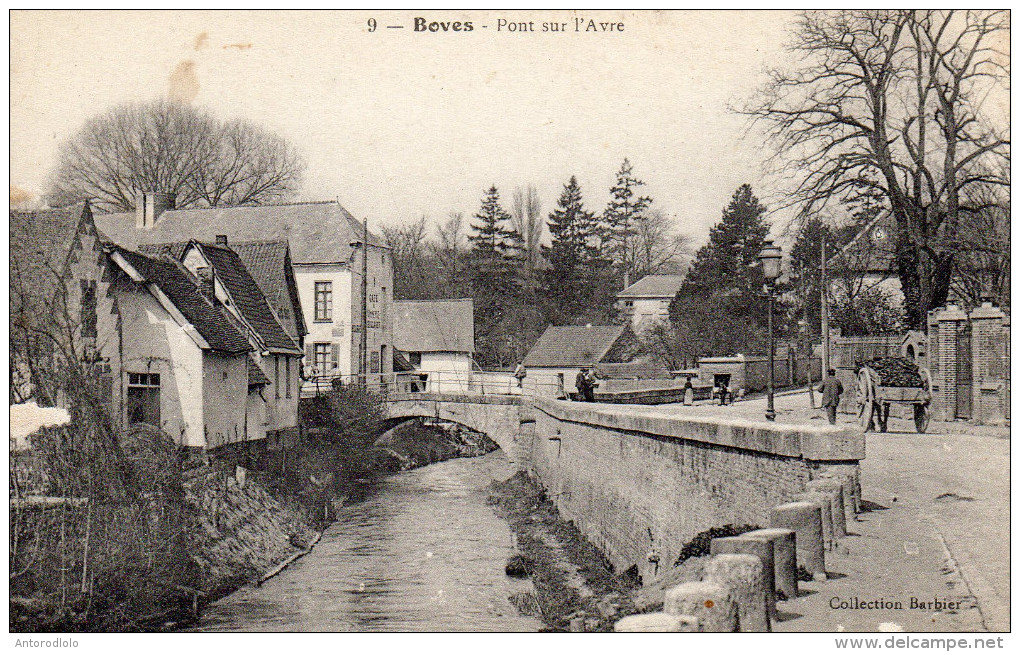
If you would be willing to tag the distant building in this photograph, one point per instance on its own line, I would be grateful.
(553, 362)
(438, 340)
(326, 245)
(646, 302)
(867, 261)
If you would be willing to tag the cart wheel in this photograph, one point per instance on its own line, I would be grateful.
(921, 417)
(883, 417)
(865, 400)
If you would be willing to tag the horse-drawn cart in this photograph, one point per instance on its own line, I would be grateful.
(874, 399)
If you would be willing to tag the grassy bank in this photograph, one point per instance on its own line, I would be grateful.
(576, 587)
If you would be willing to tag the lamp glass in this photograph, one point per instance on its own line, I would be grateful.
(770, 258)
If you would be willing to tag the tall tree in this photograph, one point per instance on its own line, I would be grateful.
(451, 253)
(525, 211)
(658, 247)
(622, 215)
(576, 285)
(174, 148)
(720, 306)
(895, 105)
(494, 263)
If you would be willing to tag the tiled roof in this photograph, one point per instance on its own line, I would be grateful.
(318, 232)
(247, 297)
(211, 321)
(40, 242)
(573, 346)
(267, 262)
(255, 375)
(434, 325)
(654, 286)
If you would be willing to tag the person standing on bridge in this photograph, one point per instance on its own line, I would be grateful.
(520, 373)
(832, 389)
(585, 385)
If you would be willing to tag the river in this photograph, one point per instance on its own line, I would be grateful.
(424, 552)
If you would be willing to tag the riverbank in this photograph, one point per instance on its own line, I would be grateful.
(245, 533)
(576, 589)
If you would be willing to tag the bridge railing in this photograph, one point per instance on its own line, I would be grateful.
(434, 382)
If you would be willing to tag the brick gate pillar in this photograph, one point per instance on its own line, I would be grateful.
(951, 321)
(989, 358)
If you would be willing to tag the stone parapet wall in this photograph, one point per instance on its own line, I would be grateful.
(640, 486)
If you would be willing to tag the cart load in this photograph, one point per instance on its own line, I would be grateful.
(881, 382)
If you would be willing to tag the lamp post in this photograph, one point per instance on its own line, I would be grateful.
(771, 256)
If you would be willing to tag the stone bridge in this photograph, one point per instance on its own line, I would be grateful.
(640, 483)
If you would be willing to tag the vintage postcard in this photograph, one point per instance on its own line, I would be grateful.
(511, 321)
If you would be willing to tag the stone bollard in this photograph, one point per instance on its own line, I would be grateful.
(834, 489)
(851, 489)
(657, 622)
(805, 519)
(760, 548)
(784, 560)
(822, 500)
(709, 603)
(743, 576)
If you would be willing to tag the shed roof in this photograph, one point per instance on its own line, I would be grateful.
(210, 320)
(573, 346)
(654, 286)
(447, 325)
(318, 232)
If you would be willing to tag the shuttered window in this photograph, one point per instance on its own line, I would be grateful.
(323, 301)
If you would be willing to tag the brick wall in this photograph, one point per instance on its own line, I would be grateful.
(640, 486)
(988, 359)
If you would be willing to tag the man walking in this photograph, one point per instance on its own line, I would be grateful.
(832, 389)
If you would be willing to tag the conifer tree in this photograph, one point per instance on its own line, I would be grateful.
(577, 281)
(494, 264)
(720, 307)
(621, 216)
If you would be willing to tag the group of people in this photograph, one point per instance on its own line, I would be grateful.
(586, 382)
(588, 379)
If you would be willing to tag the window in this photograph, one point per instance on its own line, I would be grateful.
(143, 399)
(323, 301)
(276, 378)
(287, 360)
(323, 353)
(89, 316)
(414, 357)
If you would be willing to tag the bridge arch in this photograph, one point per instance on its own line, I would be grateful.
(504, 419)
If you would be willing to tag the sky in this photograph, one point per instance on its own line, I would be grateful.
(397, 124)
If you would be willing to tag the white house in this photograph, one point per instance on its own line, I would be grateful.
(646, 302)
(328, 256)
(438, 339)
(186, 361)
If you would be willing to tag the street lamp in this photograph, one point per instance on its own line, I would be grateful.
(771, 257)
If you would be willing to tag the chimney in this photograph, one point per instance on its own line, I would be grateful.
(207, 282)
(150, 206)
(221, 240)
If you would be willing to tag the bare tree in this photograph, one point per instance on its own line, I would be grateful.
(889, 105)
(658, 247)
(409, 250)
(525, 212)
(451, 250)
(174, 148)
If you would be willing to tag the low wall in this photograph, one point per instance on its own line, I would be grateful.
(641, 485)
